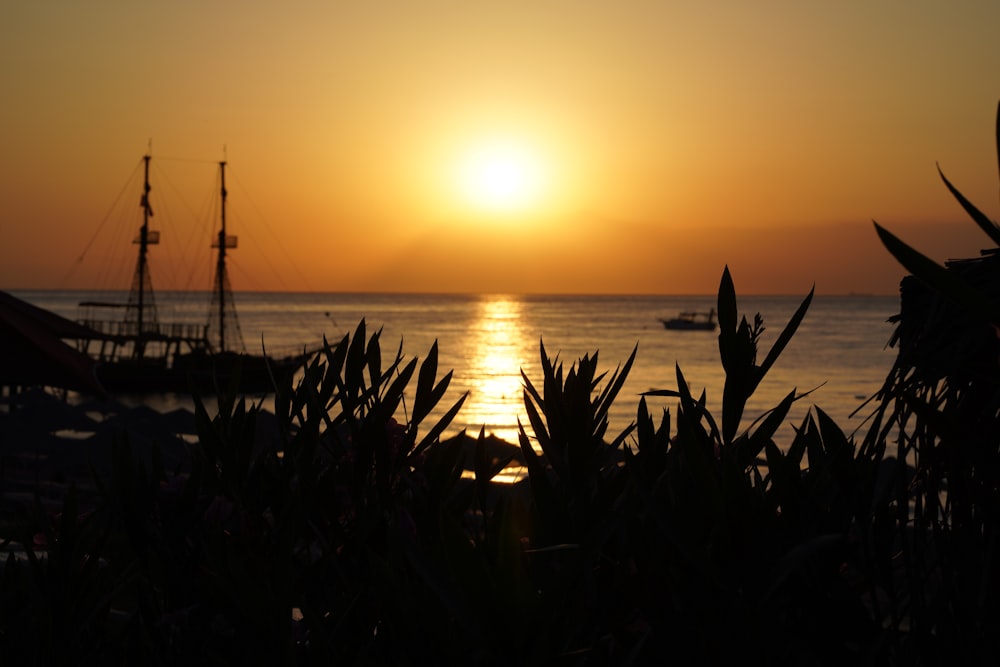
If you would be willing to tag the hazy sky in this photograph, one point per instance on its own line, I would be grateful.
(505, 147)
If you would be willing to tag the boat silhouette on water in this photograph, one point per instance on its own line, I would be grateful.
(137, 353)
(691, 321)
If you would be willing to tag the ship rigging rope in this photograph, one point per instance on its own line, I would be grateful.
(160, 158)
(179, 276)
(126, 188)
(245, 194)
(107, 216)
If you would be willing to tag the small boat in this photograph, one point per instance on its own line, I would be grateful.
(691, 321)
(137, 353)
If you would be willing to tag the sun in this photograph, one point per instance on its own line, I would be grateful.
(501, 176)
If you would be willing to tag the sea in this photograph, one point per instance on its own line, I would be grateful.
(839, 356)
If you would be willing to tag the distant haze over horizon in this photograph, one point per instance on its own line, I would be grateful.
(522, 148)
(610, 295)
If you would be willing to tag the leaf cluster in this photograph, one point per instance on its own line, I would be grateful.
(936, 423)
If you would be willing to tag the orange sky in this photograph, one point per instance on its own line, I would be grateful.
(670, 141)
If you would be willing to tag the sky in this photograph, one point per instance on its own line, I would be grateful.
(502, 147)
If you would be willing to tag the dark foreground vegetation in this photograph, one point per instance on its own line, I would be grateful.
(353, 537)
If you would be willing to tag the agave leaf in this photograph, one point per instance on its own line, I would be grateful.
(282, 404)
(683, 391)
(394, 394)
(387, 374)
(545, 440)
(526, 449)
(663, 432)
(645, 431)
(314, 394)
(423, 402)
(690, 405)
(329, 380)
(784, 338)
(355, 362)
(751, 448)
(727, 319)
(980, 218)
(553, 403)
(437, 393)
(652, 446)
(435, 432)
(337, 354)
(741, 378)
(834, 439)
(815, 450)
(547, 370)
(615, 386)
(529, 390)
(733, 403)
(939, 277)
(374, 359)
(797, 450)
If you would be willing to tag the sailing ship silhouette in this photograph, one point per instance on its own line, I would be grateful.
(137, 353)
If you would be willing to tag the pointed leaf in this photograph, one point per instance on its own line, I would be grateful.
(727, 319)
(645, 431)
(938, 277)
(374, 359)
(544, 439)
(751, 448)
(530, 390)
(733, 403)
(355, 361)
(784, 338)
(394, 393)
(427, 394)
(980, 218)
(618, 380)
(442, 424)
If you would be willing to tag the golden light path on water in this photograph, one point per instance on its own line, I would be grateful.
(499, 346)
(495, 385)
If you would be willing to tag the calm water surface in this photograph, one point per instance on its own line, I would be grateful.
(840, 349)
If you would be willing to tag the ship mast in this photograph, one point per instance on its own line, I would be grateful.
(222, 298)
(141, 283)
(220, 269)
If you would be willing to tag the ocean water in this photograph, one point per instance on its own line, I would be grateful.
(839, 350)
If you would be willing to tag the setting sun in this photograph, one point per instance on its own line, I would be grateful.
(501, 177)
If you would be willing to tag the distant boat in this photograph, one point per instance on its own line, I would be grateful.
(692, 321)
(136, 353)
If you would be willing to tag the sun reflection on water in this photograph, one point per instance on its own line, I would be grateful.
(498, 346)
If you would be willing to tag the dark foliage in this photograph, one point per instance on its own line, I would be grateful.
(349, 536)
(937, 423)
